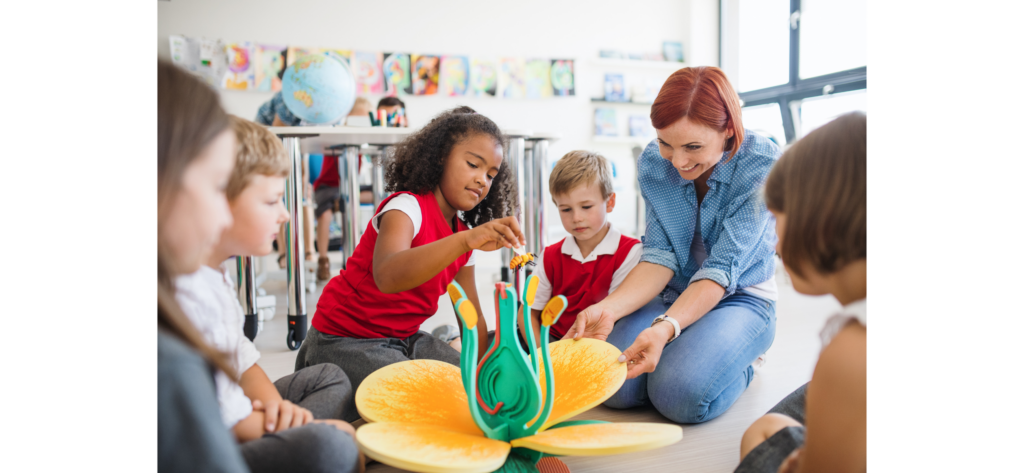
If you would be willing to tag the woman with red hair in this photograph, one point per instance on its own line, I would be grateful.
(699, 309)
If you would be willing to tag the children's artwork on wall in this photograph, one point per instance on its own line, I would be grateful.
(344, 54)
(268, 61)
(454, 78)
(614, 88)
(203, 57)
(538, 79)
(512, 78)
(241, 73)
(483, 77)
(640, 126)
(563, 80)
(672, 50)
(369, 75)
(397, 78)
(605, 122)
(295, 52)
(425, 71)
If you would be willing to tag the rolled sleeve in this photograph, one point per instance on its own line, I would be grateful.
(734, 252)
(657, 246)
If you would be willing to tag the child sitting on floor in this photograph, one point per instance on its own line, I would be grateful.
(416, 244)
(595, 258)
(818, 193)
(268, 419)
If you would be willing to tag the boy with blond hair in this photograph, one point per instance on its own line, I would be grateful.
(595, 258)
(293, 424)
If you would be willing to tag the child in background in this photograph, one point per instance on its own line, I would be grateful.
(269, 419)
(818, 194)
(415, 245)
(595, 258)
(392, 105)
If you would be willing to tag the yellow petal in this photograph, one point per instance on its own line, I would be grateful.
(552, 310)
(454, 293)
(419, 392)
(602, 439)
(587, 373)
(427, 448)
(531, 289)
(468, 313)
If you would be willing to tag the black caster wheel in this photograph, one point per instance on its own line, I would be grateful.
(296, 331)
(292, 341)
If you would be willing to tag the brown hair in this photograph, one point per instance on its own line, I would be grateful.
(189, 117)
(705, 95)
(258, 152)
(580, 168)
(820, 185)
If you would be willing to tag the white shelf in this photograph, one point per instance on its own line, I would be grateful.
(637, 64)
(622, 140)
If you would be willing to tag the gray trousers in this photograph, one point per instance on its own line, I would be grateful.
(360, 357)
(325, 391)
(766, 457)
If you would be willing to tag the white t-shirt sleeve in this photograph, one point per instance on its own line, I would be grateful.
(406, 204)
(543, 295)
(632, 259)
(472, 259)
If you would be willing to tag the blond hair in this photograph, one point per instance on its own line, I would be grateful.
(258, 152)
(580, 168)
(361, 103)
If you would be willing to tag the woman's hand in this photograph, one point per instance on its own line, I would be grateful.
(594, 322)
(496, 234)
(645, 352)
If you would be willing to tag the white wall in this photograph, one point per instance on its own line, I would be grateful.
(528, 28)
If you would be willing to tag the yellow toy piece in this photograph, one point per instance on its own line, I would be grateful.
(429, 448)
(552, 310)
(602, 439)
(518, 261)
(587, 373)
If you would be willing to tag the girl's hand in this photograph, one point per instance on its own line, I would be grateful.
(594, 322)
(282, 415)
(496, 234)
(645, 352)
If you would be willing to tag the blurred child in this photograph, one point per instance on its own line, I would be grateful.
(391, 105)
(818, 195)
(195, 154)
(275, 422)
(595, 258)
(416, 244)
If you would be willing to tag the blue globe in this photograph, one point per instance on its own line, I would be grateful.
(319, 88)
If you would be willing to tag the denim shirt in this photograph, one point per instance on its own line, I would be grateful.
(276, 106)
(737, 229)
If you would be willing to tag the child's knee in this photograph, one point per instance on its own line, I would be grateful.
(328, 449)
(762, 429)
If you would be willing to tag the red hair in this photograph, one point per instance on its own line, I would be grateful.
(705, 95)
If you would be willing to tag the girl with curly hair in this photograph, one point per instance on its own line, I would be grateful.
(369, 316)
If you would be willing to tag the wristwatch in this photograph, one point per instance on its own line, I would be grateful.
(675, 325)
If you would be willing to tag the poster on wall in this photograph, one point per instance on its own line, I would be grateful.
(295, 52)
(345, 55)
(268, 60)
(240, 74)
(538, 78)
(397, 79)
(454, 76)
(512, 78)
(203, 57)
(425, 72)
(367, 69)
(563, 79)
(605, 122)
(483, 77)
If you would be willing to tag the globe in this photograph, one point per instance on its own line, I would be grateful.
(319, 88)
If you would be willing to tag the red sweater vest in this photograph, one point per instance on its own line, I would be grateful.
(583, 284)
(352, 306)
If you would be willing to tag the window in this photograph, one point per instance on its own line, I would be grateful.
(795, 63)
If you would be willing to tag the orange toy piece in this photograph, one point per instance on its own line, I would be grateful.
(521, 260)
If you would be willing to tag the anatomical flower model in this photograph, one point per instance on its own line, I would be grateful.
(505, 413)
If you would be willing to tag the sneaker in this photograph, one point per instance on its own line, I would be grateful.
(760, 361)
(446, 333)
(323, 269)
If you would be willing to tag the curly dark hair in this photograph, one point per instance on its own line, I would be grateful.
(417, 162)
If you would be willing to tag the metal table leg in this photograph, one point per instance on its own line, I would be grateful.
(349, 173)
(516, 150)
(294, 249)
(378, 178)
(534, 210)
(247, 295)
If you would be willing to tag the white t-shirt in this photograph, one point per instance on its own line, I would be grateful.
(408, 205)
(854, 311)
(211, 304)
(608, 246)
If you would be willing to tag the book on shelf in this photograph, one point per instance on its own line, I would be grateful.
(615, 88)
(640, 126)
(605, 122)
(673, 51)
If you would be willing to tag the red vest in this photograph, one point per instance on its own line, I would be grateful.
(583, 284)
(352, 306)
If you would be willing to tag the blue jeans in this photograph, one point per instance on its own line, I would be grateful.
(703, 372)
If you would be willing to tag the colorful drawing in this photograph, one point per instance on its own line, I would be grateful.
(295, 52)
(605, 122)
(367, 69)
(563, 80)
(454, 77)
(241, 71)
(503, 414)
(269, 62)
(483, 77)
(425, 72)
(538, 78)
(512, 78)
(203, 57)
(397, 79)
(344, 54)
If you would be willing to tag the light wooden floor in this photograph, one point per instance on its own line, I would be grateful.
(709, 447)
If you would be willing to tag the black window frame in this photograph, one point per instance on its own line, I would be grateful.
(797, 88)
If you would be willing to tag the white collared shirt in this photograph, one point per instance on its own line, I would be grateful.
(608, 246)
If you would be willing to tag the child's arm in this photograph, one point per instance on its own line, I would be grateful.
(397, 267)
(466, 277)
(535, 324)
(271, 413)
(837, 406)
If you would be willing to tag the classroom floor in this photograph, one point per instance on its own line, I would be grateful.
(709, 447)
